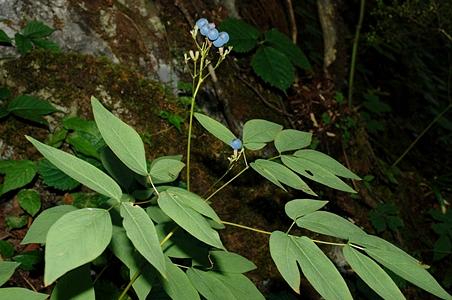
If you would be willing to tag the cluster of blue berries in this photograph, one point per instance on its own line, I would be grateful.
(208, 29)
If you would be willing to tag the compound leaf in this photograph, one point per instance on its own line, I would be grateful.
(300, 207)
(217, 129)
(291, 139)
(257, 132)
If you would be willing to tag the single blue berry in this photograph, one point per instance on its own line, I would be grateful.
(236, 144)
(224, 36)
(201, 22)
(213, 34)
(204, 30)
(218, 42)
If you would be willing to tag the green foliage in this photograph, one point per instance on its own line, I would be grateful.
(6, 249)
(276, 56)
(14, 222)
(30, 201)
(21, 293)
(54, 177)
(256, 133)
(172, 118)
(28, 260)
(217, 129)
(7, 269)
(385, 216)
(18, 173)
(30, 108)
(74, 285)
(443, 228)
(35, 34)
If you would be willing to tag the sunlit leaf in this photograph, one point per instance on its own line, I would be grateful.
(229, 262)
(165, 170)
(300, 207)
(125, 142)
(372, 274)
(291, 139)
(7, 269)
(217, 129)
(257, 132)
(75, 239)
(16, 293)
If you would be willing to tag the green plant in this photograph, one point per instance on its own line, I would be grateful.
(168, 240)
(275, 57)
(35, 34)
(385, 216)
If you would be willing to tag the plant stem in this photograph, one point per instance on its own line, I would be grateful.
(153, 186)
(328, 243)
(355, 53)
(229, 181)
(190, 125)
(421, 135)
(246, 227)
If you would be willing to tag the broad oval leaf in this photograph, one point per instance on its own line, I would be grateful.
(320, 271)
(326, 162)
(17, 174)
(36, 29)
(217, 129)
(177, 285)
(7, 269)
(15, 293)
(189, 219)
(165, 170)
(278, 173)
(31, 108)
(74, 285)
(80, 170)
(401, 263)
(209, 286)
(239, 285)
(327, 223)
(300, 207)
(274, 67)
(122, 139)
(284, 254)
(284, 44)
(41, 225)
(315, 172)
(372, 274)
(243, 36)
(229, 262)
(291, 139)
(75, 239)
(141, 231)
(257, 132)
(30, 201)
(193, 201)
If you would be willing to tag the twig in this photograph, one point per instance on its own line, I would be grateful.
(184, 11)
(355, 53)
(28, 282)
(293, 23)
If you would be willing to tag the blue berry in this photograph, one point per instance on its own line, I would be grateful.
(218, 43)
(236, 144)
(206, 28)
(201, 22)
(213, 34)
(224, 36)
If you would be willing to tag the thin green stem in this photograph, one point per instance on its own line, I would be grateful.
(220, 179)
(246, 227)
(229, 181)
(129, 285)
(328, 243)
(290, 228)
(153, 186)
(355, 53)
(437, 118)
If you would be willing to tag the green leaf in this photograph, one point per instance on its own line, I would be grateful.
(193, 201)
(14, 222)
(17, 174)
(300, 207)
(243, 36)
(74, 285)
(189, 219)
(282, 43)
(117, 169)
(80, 170)
(326, 162)
(84, 144)
(121, 138)
(3, 112)
(314, 171)
(6, 249)
(285, 254)
(16, 293)
(4, 38)
(291, 139)
(372, 274)
(177, 285)
(36, 29)
(442, 247)
(320, 271)
(31, 108)
(165, 170)
(56, 138)
(273, 67)
(23, 44)
(75, 239)
(28, 260)
(209, 286)
(5, 93)
(327, 223)
(142, 234)
(239, 285)
(82, 125)
(217, 129)
(258, 132)
(157, 215)
(278, 173)
(38, 231)
(400, 263)
(55, 178)
(7, 269)
(228, 262)
(46, 44)
(30, 201)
